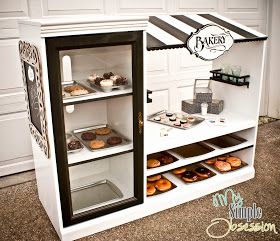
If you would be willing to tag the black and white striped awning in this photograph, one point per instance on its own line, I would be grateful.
(173, 31)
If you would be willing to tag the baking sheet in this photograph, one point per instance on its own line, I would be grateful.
(70, 83)
(158, 155)
(243, 164)
(195, 149)
(159, 192)
(226, 141)
(88, 196)
(192, 167)
(179, 116)
(78, 133)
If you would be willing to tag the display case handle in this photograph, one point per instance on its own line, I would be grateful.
(140, 123)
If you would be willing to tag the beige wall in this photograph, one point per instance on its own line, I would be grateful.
(15, 149)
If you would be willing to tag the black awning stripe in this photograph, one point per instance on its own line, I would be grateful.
(229, 26)
(188, 21)
(153, 42)
(172, 30)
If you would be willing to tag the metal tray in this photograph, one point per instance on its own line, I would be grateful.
(226, 141)
(192, 167)
(180, 116)
(107, 88)
(159, 192)
(158, 155)
(78, 133)
(70, 137)
(74, 82)
(195, 149)
(93, 195)
(243, 164)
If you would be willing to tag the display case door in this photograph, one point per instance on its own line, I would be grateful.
(54, 45)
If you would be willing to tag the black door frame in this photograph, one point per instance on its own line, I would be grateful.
(53, 46)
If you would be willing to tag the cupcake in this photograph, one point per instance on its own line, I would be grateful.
(106, 83)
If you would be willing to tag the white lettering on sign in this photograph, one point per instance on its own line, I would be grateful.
(209, 42)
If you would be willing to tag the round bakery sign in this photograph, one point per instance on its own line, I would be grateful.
(209, 42)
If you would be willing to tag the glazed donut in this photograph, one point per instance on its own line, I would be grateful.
(166, 159)
(222, 166)
(179, 170)
(153, 163)
(103, 131)
(154, 178)
(97, 144)
(221, 158)
(202, 172)
(234, 161)
(189, 176)
(150, 189)
(163, 185)
(211, 161)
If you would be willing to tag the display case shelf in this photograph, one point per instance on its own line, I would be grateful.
(85, 154)
(201, 132)
(187, 161)
(232, 79)
(98, 95)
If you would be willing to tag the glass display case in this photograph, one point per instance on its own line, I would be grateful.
(96, 94)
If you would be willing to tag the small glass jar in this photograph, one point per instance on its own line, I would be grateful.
(204, 108)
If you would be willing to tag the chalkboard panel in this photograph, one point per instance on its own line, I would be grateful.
(34, 94)
(33, 100)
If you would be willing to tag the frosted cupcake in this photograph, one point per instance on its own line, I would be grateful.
(106, 83)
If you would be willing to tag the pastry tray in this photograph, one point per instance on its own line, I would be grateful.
(192, 167)
(158, 155)
(78, 133)
(74, 82)
(180, 116)
(70, 137)
(159, 192)
(94, 195)
(195, 149)
(226, 141)
(107, 88)
(243, 164)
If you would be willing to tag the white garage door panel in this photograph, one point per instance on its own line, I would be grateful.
(198, 5)
(54, 7)
(157, 62)
(10, 69)
(13, 8)
(143, 6)
(15, 141)
(184, 93)
(160, 101)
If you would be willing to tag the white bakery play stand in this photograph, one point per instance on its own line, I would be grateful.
(241, 109)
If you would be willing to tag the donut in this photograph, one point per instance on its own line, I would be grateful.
(233, 161)
(221, 158)
(166, 159)
(177, 124)
(222, 166)
(190, 119)
(202, 172)
(179, 170)
(157, 118)
(150, 189)
(97, 144)
(71, 88)
(153, 163)
(88, 136)
(183, 121)
(108, 75)
(173, 118)
(169, 114)
(103, 131)
(163, 185)
(114, 140)
(189, 176)
(154, 178)
(79, 92)
(211, 161)
(74, 144)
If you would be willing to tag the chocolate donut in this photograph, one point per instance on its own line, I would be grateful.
(107, 75)
(166, 159)
(189, 176)
(114, 140)
(88, 136)
(202, 172)
(74, 144)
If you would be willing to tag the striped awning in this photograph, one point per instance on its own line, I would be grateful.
(173, 31)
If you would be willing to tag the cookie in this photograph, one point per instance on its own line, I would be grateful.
(97, 144)
(103, 131)
(114, 140)
(88, 136)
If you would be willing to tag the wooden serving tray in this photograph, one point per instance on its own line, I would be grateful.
(195, 149)
(159, 192)
(243, 164)
(192, 167)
